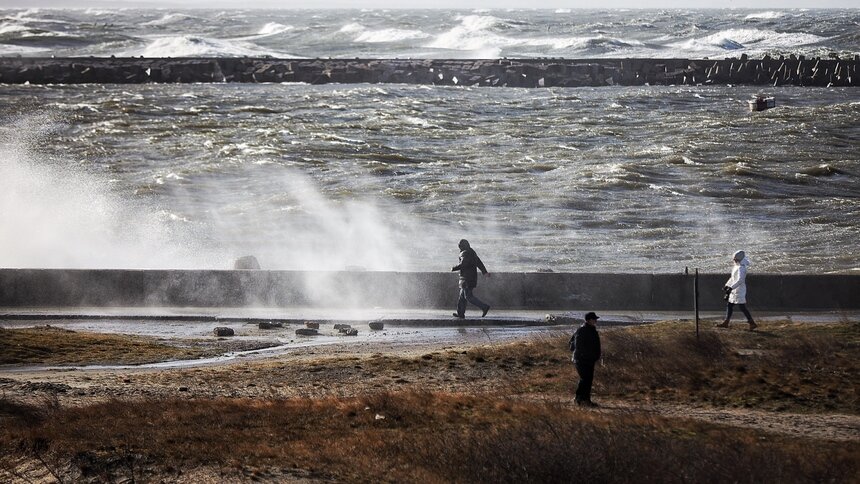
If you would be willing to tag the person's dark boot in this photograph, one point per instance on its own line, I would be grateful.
(459, 316)
(724, 324)
(486, 309)
(753, 326)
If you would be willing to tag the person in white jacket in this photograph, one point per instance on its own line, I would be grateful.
(736, 289)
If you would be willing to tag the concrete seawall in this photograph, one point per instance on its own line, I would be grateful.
(52, 288)
(547, 72)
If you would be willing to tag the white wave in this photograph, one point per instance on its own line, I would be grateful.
(769, 15)
(9, 27)
(193, 46)
(579, 42)
(473, 33)
(734, 39)
(351, 28)
(268, 30)
(97, 13)
(170, 18)
(390, 35)
(381, 36)
(6, 49)
(563, 10)
(29, 16)
(273, 28)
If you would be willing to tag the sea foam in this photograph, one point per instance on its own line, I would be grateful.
(473, 33)
(733, 39)
(769, 15)
(193, 46)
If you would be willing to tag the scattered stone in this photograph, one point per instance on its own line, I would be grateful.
(312, 325)
(224, 331)
(348, 331)
(340, 326)
(557, 319)
(307, 332)
(183, 389)
(270, 324)
(376, 325)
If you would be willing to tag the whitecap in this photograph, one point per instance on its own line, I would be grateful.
(390, 35)
(351, 28)
(10, 27)
(733, 39)
(169, 18)
(769, 15)
(273, 28)
(6, 49)
(473, 33)
(97, 12)
(194, 46)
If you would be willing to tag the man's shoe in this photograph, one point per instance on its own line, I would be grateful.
(724, 324)
(485, 311)
(459, 316)
(753, 326)
(591, 404)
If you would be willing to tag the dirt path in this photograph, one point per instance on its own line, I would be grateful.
(819, 426)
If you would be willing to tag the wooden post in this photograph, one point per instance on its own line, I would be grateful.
(696, 300)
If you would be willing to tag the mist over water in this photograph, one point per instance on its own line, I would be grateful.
(54, 213)
(390, 177)
(60, 211)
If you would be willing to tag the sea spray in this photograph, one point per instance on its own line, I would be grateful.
(55, 214)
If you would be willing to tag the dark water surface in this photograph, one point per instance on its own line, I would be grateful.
(389, 177)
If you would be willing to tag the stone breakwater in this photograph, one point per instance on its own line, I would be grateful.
(792, 70)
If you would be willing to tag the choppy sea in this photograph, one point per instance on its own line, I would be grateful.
(390, 177)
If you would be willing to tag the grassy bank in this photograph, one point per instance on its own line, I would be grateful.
(493, 413)
(51, 345)
(402, 437)
(783, 367)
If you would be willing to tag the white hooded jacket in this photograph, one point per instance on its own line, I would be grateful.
(738, 282)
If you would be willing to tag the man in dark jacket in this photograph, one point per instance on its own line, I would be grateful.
(585, 344)
(468, 267)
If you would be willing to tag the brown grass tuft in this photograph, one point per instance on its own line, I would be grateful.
(408, 437)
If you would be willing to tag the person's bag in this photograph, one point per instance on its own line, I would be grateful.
(726, 292)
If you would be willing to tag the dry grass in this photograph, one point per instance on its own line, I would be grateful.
(48, 345)
(423, 437)
(477, 419)
(784, 366)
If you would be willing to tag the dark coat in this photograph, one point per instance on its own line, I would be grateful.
(585, 344)
(468, 267)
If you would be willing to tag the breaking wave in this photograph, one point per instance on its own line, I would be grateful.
(770, 15)
(193, 46)
(734, 39)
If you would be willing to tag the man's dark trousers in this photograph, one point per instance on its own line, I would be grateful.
(586, 377)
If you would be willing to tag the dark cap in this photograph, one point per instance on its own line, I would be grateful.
(591, 316)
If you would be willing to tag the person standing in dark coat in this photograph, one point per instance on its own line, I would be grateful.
(468, 267)
(585, 344)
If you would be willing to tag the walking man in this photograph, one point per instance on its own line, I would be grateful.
(585, 344)
(468, 267)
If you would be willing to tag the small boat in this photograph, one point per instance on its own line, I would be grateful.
(760, 103)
